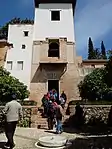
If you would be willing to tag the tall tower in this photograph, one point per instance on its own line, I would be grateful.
(53, 55)
(54, 18)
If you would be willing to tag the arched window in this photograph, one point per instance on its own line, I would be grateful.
(53, 48)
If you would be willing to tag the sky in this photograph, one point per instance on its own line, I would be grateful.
(93, 18)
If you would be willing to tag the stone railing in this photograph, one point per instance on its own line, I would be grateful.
(93, 113)
(28, 111)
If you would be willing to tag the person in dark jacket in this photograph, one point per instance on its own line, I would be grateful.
(45, 101)
(13, 112)
(79, 115)
(64, 99)
(50, 115)
(59, 116)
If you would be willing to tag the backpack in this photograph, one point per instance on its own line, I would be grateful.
(58, 114)
(51, 110)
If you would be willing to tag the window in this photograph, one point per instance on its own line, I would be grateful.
(20, 65)
(55, 15)
(53, 48)
(26, 33)
(9, 65)
(93, 66)
(23, 46)
(11, 45)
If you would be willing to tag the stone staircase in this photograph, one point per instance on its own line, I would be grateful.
(38, 121)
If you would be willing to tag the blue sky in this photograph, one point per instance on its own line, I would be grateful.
(92, 19)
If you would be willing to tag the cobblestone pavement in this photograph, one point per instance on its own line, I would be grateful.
(25, 138)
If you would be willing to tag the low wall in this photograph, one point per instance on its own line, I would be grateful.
(93, 113)
(28, 111)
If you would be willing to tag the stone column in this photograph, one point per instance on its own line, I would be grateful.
(63, 49)
(44, 50)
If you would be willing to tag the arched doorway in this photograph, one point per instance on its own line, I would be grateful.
(53, 48)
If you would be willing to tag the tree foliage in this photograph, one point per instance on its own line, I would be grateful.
(98, 84)
(103, 51)
(93, 86)
(10, 85)
(91, 51)
(96, 53)
(4, 29)
(108, 69)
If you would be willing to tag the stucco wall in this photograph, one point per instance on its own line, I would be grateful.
(16, 37)
(67, 75)
(45, 28)
(69, 82)
(3, 53)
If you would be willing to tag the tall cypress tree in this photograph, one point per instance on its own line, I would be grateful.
(91, 51)
(103, 51)
(97, 53)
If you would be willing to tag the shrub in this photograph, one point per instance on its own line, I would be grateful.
(93, 87)
(10, 85)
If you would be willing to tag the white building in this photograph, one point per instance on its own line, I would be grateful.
(43, 55)
(19, 55)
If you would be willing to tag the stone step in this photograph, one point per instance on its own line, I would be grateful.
(42, 122)
(39, 126)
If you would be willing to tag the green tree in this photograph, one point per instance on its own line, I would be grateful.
(93, 86)
(103, 51)
(10, 85)
(4, 29)
(109, 54)
(97, 53)
(91, 51)
(108, 69)
(98, 84)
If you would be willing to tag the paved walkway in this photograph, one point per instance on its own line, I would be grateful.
(25, 138)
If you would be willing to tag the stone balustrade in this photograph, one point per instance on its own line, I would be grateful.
(28, 111)
(93, 112)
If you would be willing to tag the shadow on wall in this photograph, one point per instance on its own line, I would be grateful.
(78, 123)
(39, 76)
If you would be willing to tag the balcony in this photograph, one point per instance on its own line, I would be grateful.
(54, 53)
(52, 60)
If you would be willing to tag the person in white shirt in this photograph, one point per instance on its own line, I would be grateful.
(13, 112)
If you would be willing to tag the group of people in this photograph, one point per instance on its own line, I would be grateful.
(53, 109)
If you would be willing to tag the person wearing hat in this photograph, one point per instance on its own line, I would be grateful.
(13, 112)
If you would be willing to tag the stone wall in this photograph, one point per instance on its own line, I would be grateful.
(28, 112)
(3, 52)
(93, 113)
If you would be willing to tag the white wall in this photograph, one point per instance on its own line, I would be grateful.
(45, 28)
(16, 37)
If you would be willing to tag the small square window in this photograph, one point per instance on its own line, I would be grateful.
(26, 33)
(93, 66)
(9, 65)
(20, 65)
(55, 15)
(23, 46)
(11, 45)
